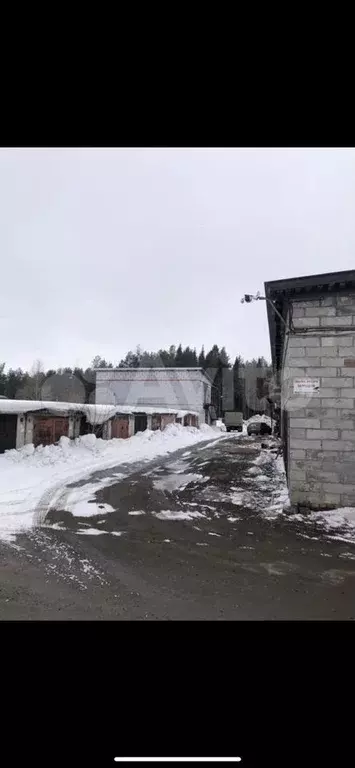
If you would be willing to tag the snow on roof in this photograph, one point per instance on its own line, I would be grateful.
(154, 368)
(95, 414)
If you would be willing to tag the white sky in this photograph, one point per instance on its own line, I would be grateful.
(104, 249)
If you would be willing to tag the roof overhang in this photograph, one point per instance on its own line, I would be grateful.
(282, 292)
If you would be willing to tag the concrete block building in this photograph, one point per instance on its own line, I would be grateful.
(313, 355)
(187, 389)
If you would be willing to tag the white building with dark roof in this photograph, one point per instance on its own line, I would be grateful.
(186, 389)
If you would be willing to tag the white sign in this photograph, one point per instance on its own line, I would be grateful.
(306, 386)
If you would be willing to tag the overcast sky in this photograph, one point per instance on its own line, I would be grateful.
(104, 249)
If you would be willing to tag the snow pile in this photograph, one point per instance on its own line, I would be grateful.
(257, 418)
(167, 514)
(339, 523)
(221, 425)
(335, 518)
(264, 458)
(32, 478)
(280, 500)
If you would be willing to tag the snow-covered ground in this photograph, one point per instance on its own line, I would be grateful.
(339, 524)
(336, 524)
(31, 477)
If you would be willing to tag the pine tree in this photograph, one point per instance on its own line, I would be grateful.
(238, 385)
(212, 357)
(97, 362)
(224, 358)
(2, 379)
(179, 357)
(189, 357)
(202, 358)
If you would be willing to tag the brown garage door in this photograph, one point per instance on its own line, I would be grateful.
(167, 418)
(49, 430)
(120, 427)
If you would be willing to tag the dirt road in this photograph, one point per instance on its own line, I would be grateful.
(190, 537)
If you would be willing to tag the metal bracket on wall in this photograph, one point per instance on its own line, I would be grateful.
(249, 297)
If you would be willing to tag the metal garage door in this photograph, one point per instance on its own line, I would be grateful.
(140, 422)
(48, 430)
(120, 427)
(8, 426)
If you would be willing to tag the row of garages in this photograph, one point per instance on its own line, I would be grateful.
(46, 425)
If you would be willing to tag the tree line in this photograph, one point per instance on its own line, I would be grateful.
(240, 385)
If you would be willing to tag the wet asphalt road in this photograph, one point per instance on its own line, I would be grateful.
(199, 546)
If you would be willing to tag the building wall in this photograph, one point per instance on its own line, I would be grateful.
(76, 429)
(321, 426)
(20, 430)
(29, 429)
(168, 388)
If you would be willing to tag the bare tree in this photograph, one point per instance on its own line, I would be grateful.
(31, 389)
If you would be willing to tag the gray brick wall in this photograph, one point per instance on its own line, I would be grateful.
(321, 427)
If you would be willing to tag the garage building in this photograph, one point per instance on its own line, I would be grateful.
(43, 423)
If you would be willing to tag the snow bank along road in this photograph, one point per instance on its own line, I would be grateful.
(31, 478)
(198, 534)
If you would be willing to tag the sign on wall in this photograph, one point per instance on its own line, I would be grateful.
(306, 386)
